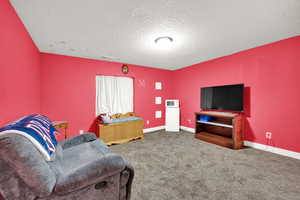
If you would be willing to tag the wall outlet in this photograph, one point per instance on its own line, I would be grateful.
(148, 122)
(268, 135)
(81, 132)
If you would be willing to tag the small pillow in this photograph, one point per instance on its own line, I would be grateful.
(116, 116)
(106, 119)
(129, 114)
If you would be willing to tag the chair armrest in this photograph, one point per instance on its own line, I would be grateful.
(79, 139)
(100, 169)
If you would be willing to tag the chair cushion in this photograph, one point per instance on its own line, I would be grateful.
(85, 164)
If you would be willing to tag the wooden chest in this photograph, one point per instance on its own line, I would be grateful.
(121, 132)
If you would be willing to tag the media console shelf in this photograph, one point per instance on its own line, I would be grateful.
(225, 129)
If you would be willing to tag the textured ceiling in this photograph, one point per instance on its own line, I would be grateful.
(124, 31)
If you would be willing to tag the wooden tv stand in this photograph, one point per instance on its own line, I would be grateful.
(226, 129)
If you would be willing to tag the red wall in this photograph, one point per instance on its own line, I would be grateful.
(19, 68)
(69, 89)
(63, 88)
(271, 76)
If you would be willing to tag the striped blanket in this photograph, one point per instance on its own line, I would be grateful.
(38, 129)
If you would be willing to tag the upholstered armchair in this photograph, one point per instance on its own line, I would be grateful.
(83, 168)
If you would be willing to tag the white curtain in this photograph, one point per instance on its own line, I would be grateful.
(114, 94)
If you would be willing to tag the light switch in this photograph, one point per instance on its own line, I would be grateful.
(158, 85)
(158, 114)
(157, 100)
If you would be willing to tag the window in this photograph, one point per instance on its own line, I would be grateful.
(114, 94)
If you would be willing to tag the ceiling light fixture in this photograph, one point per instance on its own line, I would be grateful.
(164, 43)
(164, 39)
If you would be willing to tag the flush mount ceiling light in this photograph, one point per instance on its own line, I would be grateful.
(164, 39)
(164, 42)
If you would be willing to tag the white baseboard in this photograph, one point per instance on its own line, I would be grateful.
(271, 149)
(254, 145)
(157, 128)
(263, 147)
(188, 129)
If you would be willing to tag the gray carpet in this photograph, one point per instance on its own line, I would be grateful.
(176, 166)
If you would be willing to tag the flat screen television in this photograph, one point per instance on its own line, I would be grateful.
(227, 98)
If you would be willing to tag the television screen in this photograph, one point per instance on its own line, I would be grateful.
(227, 97)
